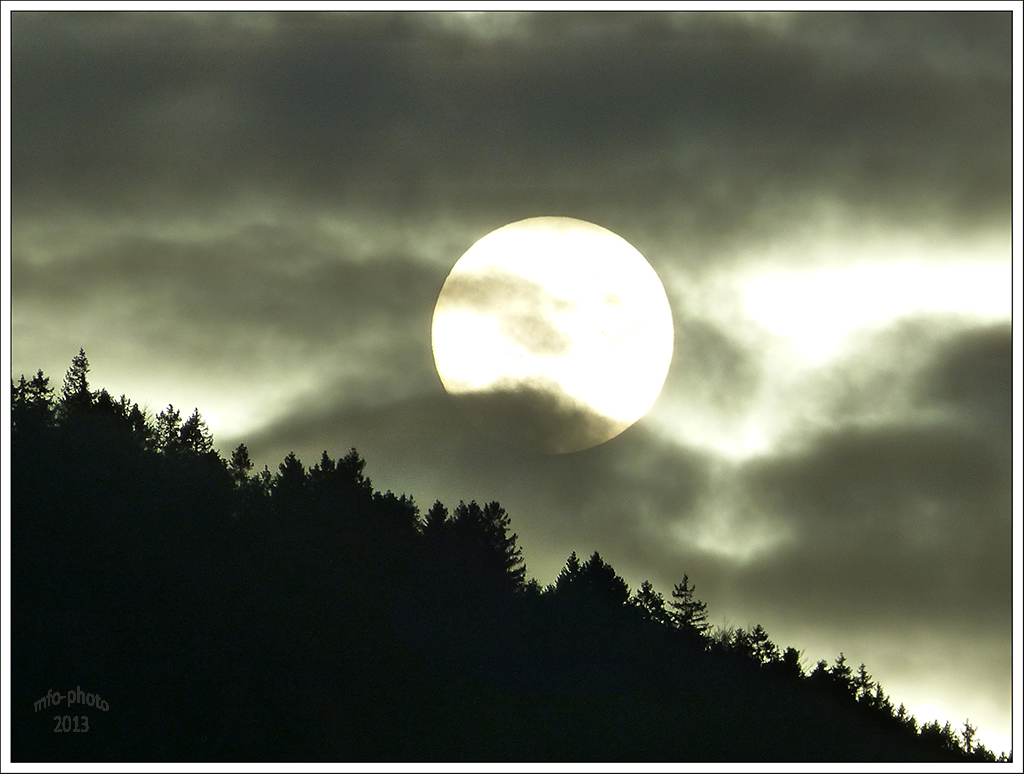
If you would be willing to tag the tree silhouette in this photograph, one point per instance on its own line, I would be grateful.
(879, 701)
(168, 429)
(483, 534)
(32, 403)
(435, 518)
(762, 649)
(789, 664)
(688, 612)
(603, 585)
(289, 486)
(740, 642)
(303, 614)
(568, 575)
(651, 604)
(350, 471)
(841, 675)
(194, 436)
(969, 732)
(862, 685)
(240, 464)
(75, 396)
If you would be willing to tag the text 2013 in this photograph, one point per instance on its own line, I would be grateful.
(70, 724)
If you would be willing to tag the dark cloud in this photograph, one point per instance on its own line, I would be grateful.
(523, 308)
(900, 505)
(889, 474)
(576, 115)
(538, 414)
(258, 285)
(974, 375)
(710, 366)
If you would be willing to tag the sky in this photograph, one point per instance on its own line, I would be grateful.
(253, 214)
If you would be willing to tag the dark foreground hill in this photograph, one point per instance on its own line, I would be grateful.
(196, 611)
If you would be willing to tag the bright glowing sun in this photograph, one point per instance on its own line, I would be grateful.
(554, 333)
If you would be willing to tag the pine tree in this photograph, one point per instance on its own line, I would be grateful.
(39, 391)
(32, 401)
(819, 676)
(436, 518)
(742, 643)
(19, 391)
(841, 675)
(906, 718)
(862, 685)
(350, 469)
(291, 477)
(969, 732)
(194, 437)
(168, 429)
(240, 464)
(942, 736)
(75, 396)
(499, 524)
(484, 533)
(323, 470)
(265, 480)
(569, 574)
(651, 604)
(688, 612)
(602, 584)
(790, 662)
(142, 431)
(762, 649)
(880, 701)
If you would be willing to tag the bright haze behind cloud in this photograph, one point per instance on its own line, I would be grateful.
(253, 214)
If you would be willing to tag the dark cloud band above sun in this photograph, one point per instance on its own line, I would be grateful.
(716, 114)
(255, 213)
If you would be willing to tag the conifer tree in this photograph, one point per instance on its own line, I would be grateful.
(436, 517)
(742, 643)
(141, 429)
(688, 612)
(291, 477)
(485, 533)
(168, 429)
(323, 470)
(880, 701)
(194, 436)
(350, 469)
(240, 464)
(602, 583)
(969, 732)
(39, 391)
(762, 649)
(842, 675)
(862, 684)
(75, 396)
(651, 604)
(32, 401)
(568, 574)
(790, 662)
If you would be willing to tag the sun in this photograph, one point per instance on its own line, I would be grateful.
(554, 331)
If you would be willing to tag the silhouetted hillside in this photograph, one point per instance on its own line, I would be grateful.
(210, 612)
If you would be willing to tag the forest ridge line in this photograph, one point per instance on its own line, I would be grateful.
(357, 616)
